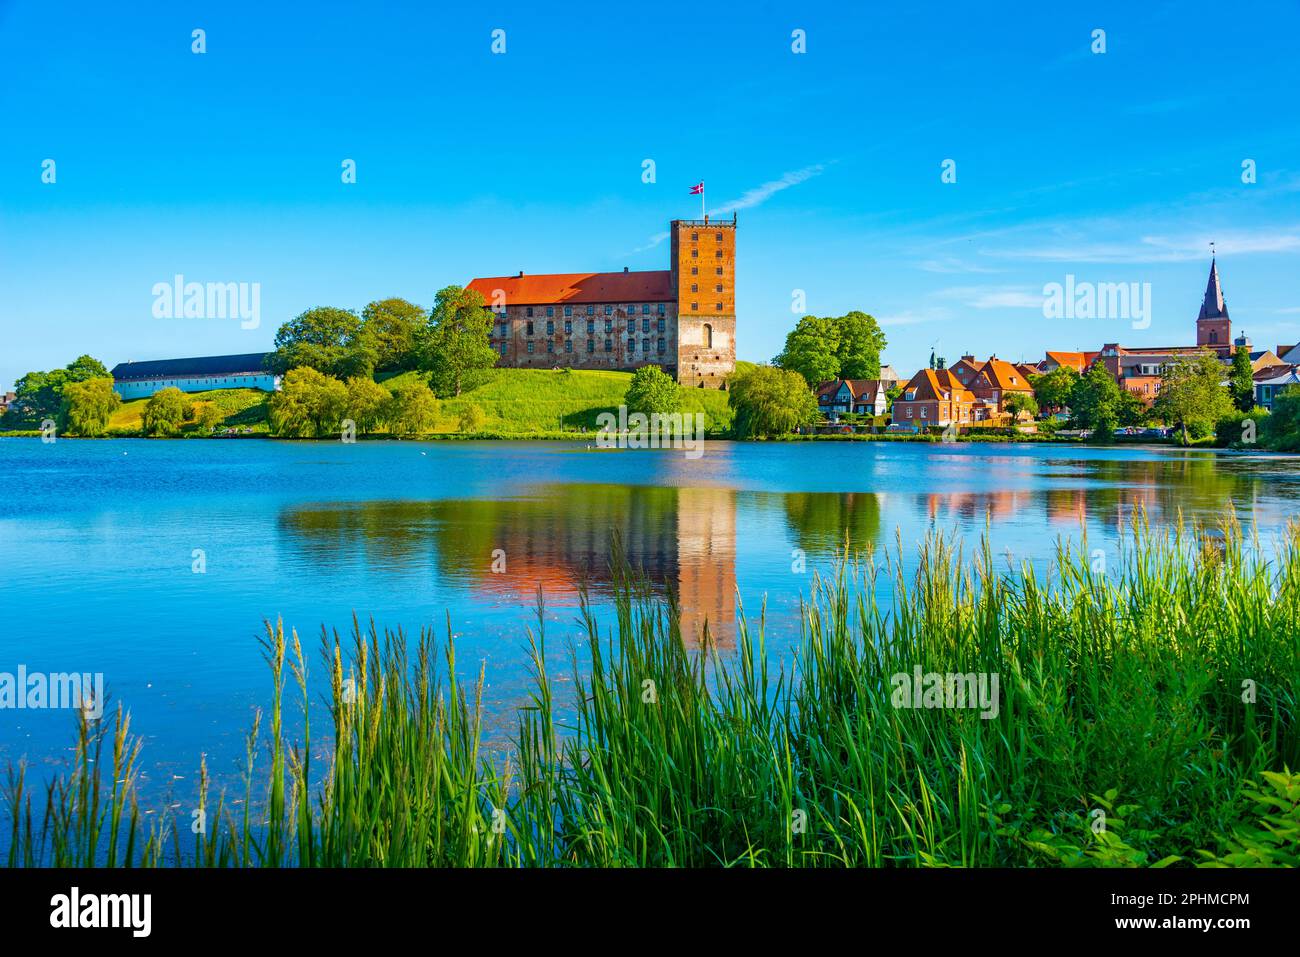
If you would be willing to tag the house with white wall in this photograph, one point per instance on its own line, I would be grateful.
(137, 380)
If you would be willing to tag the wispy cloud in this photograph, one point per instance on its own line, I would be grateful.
(994, 297)
(951, 264)
(1160, 249)
(761, 194)
(754, 197)
(909, 318)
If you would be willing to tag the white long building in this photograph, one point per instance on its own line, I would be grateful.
(135, 380)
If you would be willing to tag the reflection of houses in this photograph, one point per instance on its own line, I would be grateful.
(561, 539)
(974, 506)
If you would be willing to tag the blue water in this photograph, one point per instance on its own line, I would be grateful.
(98, 542)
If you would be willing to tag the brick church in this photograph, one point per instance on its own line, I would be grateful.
(682, 319)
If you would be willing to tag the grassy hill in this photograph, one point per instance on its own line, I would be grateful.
(242, 408)
(514, 401)
(545, 400)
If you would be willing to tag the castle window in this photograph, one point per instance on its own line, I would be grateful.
(717, 237)
(550, 328)
(609, 325)
(663, 345)
(609, 345)
(695, 237)
(591, 310)
(631, 308)
(661, 326)
(717, 254)
(695, 270)
(1214, 337)
(503, 348)
(645, 325)
(568, 326)
(591, 345)
(568, 345)
(661, 309)
(550, 346)
(695, 253)
(645, 346)
(530, 330)
(529, 312)
(718, 271)
(609, 310)
(591, 326)
(695, 287)
(631, 345)
(708, 336)
(695, 306)
(717, 306)
(530, 347)
(718, 288)
(645, 309)
(568, 310)
(550, 311)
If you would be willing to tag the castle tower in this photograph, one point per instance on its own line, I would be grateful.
(704, 282)
(1213, 327)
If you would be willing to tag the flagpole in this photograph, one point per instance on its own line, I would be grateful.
(703, 214)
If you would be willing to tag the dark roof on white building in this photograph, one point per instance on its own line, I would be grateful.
(246, 363)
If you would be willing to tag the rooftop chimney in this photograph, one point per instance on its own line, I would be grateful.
(624, 269)
(521, 274)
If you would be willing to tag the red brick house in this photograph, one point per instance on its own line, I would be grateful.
(935, 397)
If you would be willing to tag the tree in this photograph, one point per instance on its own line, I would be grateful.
(472, 418)
(1192, 395)
(454, 348)
(164, 412)
(860, 343)
(1282, 427)
(1130, 410)
(39, 395)
(366, 403)
(412, 409)
(652, 390)
(390, 328)
(1094, 403)
(1053, 389)
(812, 350)
(88, 405)
(1241, 382)
(208, 416)
(1018, 402)
(309, 403)
(770, 401)
(323, 338)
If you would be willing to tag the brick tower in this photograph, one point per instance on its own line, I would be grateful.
(704, 282)
(1213, 327)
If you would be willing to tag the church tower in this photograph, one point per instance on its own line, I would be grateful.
(704, 282)
(1213, 327)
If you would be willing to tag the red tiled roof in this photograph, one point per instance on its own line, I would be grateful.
(568, 287)
(1003, 375)
(930, 384)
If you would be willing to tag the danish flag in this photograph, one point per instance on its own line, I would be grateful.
(699, 188)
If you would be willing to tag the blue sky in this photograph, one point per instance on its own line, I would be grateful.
(225, 166)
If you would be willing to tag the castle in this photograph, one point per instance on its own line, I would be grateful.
(682, 319)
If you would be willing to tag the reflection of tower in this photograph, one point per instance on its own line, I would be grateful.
(706, 563)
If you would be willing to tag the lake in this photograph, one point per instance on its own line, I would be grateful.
(157, 562)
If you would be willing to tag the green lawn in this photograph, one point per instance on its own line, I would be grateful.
(545, 400)
(242, 408)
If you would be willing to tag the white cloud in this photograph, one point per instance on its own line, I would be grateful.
(761, 194)
(1160, 249)
(994, 297)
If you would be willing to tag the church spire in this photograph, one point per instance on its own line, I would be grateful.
(1214, 306)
